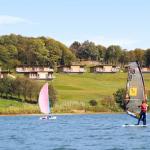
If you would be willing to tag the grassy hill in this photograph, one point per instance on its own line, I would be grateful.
(91, 86)
(74, 92)
(88, 86)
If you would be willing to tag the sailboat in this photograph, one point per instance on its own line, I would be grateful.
(135, 90)
(44, 102)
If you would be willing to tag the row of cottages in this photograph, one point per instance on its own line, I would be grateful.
(145, 70)
(71, 69)
(104, 69)
(46, 73)
(94, 69)
(36, 72)
(4, 73)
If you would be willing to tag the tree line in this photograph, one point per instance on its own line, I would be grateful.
(19, 50)
(24, 90)
(113, 54)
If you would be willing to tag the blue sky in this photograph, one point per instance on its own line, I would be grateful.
(105, 22)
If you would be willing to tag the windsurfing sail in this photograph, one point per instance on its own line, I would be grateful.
(135, 89)
(44, 99)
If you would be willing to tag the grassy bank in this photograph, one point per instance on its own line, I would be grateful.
(75, 91)
(15, 107)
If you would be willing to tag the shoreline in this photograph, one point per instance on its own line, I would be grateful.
(61, 114)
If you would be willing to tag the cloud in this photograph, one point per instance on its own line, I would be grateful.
(6, 20)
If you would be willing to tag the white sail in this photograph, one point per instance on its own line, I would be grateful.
(44, 99)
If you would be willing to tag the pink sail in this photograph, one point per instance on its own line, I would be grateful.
(44, 99)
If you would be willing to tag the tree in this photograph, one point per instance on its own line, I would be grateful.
(36, 53)
(16, 50)
(75, 48)
(4, 54)
(101, 52)
(147, 57)
(139, 55)
(27, 88)
(113, 54)
(1, 87)
(52, 95)
(6, 86)
(67, 56)
(124, 59)
(17, 87)
(119, 96)
(131, 56)
(13, 56)
(58, 54)
(54, 51)
(32, 91)
(24, 84)
(88, 51)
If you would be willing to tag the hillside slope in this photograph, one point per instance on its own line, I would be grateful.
(74, 91)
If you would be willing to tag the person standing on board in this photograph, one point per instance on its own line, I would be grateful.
(143, 112)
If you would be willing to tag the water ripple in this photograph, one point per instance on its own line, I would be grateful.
(73, 132)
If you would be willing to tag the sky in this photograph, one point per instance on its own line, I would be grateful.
(105, 22)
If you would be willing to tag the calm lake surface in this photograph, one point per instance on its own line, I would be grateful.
(73, 132)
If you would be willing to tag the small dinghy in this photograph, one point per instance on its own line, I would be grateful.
(44, 103)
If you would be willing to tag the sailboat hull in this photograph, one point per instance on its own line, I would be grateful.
(48, 118)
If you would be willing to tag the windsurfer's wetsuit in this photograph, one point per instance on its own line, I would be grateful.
(143, 113)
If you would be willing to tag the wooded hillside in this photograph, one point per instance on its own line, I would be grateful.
(19, 50)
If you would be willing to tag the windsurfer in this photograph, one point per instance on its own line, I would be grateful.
(143, 107)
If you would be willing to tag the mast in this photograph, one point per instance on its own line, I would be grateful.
(145, 97)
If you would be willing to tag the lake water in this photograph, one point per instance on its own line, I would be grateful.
(73, 132)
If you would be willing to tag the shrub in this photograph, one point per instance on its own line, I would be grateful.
(93, 102)
(109, 103)
(119, 97)
(21, 89)
(6, 86)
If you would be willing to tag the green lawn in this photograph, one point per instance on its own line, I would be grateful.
(87, 86)
(90, 86)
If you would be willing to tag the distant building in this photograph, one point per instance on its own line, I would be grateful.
(71, 69)
(4, 73)
(145, 69)
(104, 69)
(36, 72)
